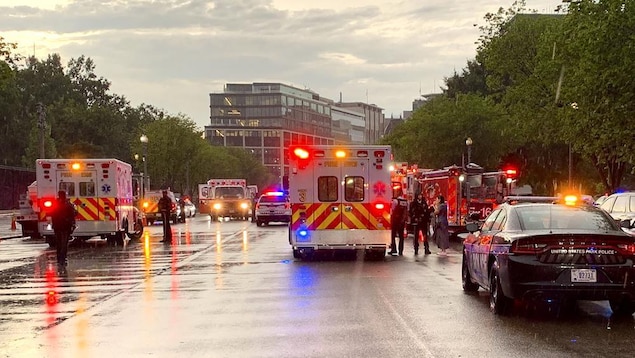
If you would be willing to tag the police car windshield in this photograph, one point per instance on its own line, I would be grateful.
(229, 193)
(554, 217)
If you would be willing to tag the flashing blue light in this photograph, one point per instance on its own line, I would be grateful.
(302, 234)
(275, 193)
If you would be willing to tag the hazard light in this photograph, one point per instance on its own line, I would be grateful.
(340, 154)
(76, 166)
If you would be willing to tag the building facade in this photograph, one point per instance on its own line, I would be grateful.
(266, 118)
(373, 115)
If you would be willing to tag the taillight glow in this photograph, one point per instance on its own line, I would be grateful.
(380, 206)
(48, 204)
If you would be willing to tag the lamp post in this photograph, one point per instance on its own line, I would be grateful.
(144, 175)
(468, 143)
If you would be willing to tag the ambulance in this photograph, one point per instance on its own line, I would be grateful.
(222, 198)
(340, 199)
(101, 191)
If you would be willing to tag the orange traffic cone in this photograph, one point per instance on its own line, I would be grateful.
(13, 223)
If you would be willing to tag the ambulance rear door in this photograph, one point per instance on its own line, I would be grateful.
(341, 194)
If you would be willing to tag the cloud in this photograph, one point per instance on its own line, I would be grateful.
(173, 53)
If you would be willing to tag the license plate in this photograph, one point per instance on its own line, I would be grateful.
(584, 275)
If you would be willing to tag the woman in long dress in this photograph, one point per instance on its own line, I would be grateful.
(442, 235)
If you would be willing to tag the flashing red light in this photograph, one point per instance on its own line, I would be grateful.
(301, 153)
(380, 206)
(511, 172)
(47, 203)
(274, 193)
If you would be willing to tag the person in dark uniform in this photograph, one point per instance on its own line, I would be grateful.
(420, 218)
(63, 221)
(165, 207)
(398, 214)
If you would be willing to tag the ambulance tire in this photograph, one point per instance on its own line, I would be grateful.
(296, 254)
(138, 230)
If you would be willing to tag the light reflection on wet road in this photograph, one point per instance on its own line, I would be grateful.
(234, 290)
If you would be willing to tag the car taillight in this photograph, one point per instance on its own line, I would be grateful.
(379, 206)
(628, 249)
(526, 248)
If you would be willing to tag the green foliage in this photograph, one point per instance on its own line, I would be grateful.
(434, 137)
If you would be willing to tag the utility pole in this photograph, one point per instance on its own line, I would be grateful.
(41, 124)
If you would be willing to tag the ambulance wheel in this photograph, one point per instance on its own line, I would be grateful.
(138, 230)
(296, 254)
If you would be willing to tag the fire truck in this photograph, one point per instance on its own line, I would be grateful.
(470, 193)
(340, 199)
(225, 198)
(101, 191)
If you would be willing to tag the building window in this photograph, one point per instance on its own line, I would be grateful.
(216, 137)
(327, 189)
(271, 138)
(234, 138)
(253, 139)
(272, 156)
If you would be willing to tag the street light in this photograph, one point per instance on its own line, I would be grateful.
(144, 142)
(468, 184)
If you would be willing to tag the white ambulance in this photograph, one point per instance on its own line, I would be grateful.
(100, 189)
(340, 199)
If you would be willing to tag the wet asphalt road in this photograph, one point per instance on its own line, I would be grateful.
(232, 289)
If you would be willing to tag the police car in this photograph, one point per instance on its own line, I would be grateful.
(273, 206)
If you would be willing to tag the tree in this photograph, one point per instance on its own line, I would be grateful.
(598, 53)
(434, 137)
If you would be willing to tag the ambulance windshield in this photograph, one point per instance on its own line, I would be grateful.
(229, 192)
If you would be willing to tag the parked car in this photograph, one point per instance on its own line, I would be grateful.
(189, 209)
(273, 206)
(621, 206)
(552, 251)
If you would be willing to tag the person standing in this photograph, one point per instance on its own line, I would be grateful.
(63, 221)
(398, 213)
(165, 208)
(420, 217)
(441, 232)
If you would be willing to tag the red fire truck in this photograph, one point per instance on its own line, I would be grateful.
(471, 193)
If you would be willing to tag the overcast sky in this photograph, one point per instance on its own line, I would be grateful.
(173, 53)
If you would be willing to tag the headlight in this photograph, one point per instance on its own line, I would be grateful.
(217, 206)
(244, 205)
